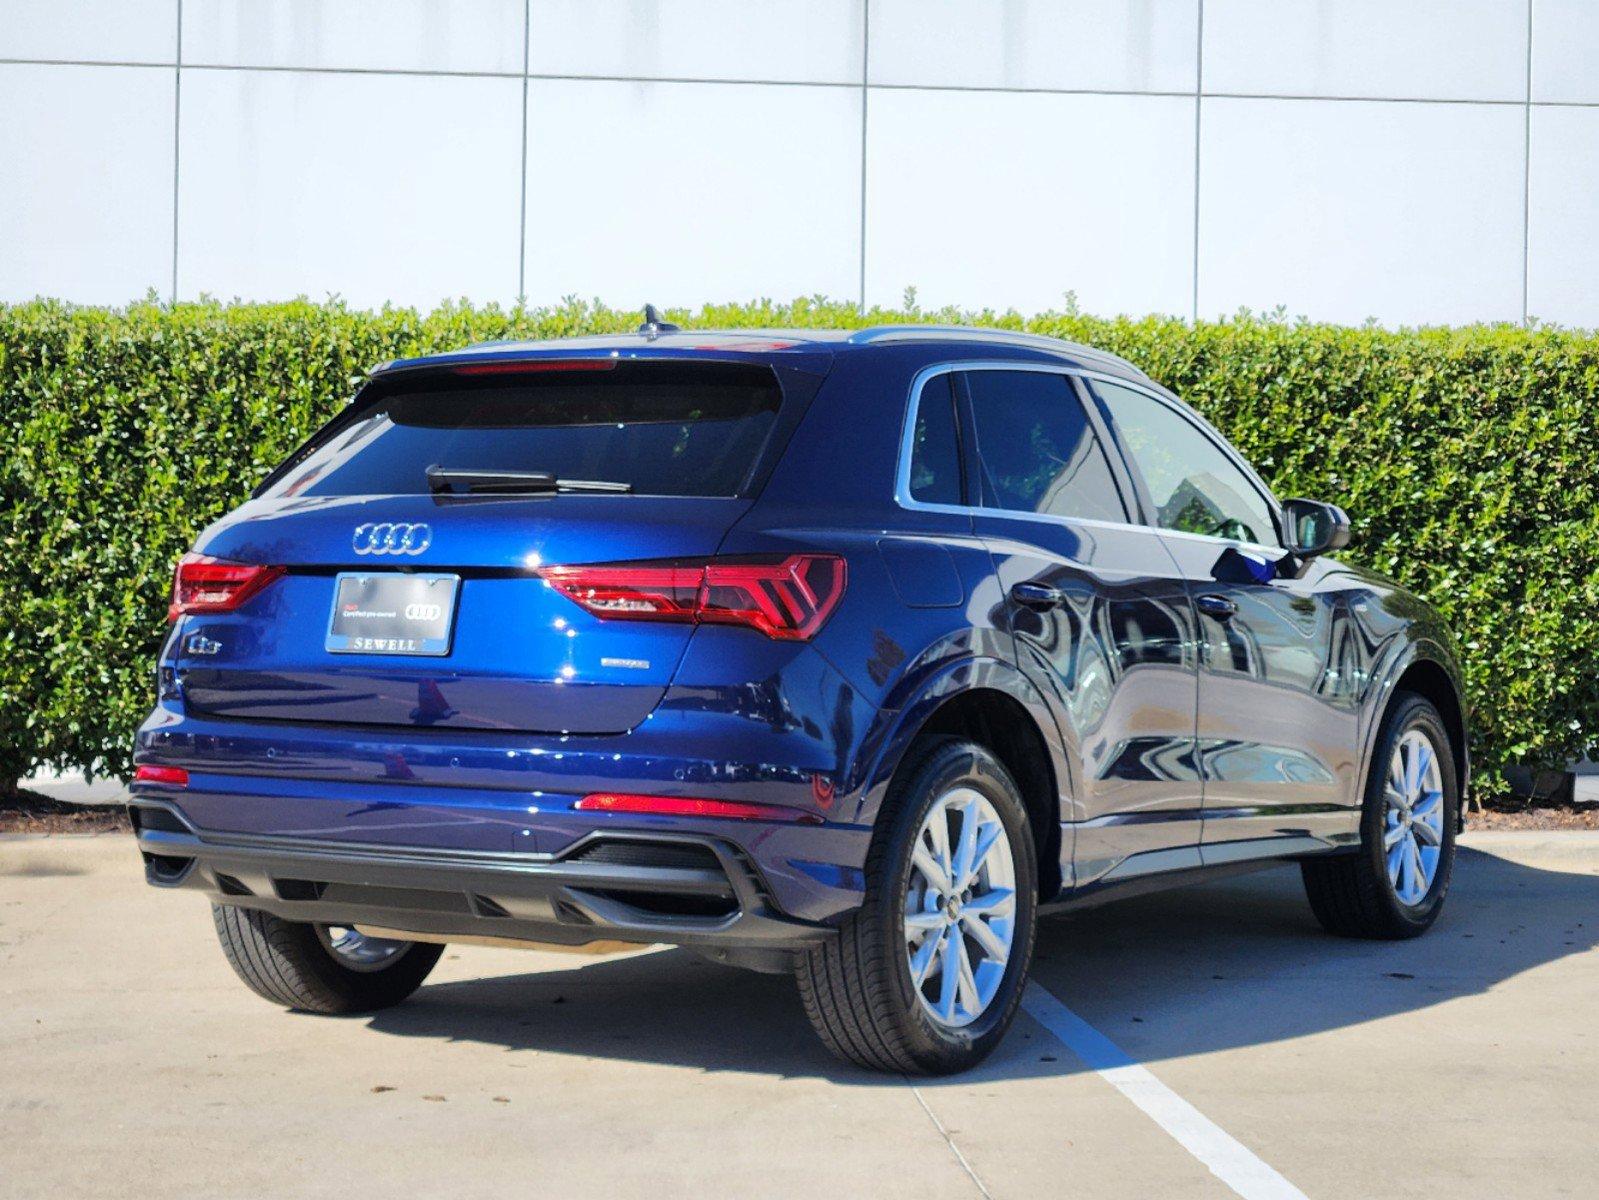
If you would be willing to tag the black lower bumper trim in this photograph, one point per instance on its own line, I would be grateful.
(711, 896)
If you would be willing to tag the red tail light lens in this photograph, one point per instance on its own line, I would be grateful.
(171, 776)
(788, 599)
(631, 593)
(686, 806)
(214, 585)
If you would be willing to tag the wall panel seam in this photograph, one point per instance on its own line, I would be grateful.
(521, 221)
(177, 144)
(1199, 100)
(1526, 182)
(866, 67)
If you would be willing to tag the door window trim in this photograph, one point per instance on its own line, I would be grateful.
(1124, 471)
(1205, 430)
(902, 475)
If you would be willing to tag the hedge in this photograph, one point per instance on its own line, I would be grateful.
(1466, 458)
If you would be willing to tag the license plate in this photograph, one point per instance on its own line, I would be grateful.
(392, 614)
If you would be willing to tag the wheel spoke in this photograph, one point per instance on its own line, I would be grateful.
(996, 902)
(1391, 837)
(983, 934)
(1427, 806)
(1423, 755)
(925, 956)
(922, 922)
(1425, 833)
(969, 998)
(1396, 776)
(1418, 869)
(988, 835)
(966, 851)
(935, 872)
(938, 832)
(948, 982)
(1402, 881)
(1395, 797)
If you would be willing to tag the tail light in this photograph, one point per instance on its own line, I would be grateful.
(171, 776)
(214, 585)
(788, 599)
(689, 806)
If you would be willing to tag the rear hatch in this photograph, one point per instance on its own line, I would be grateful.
(411, 530)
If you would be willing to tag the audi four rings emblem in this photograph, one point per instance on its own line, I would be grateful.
(392, 538)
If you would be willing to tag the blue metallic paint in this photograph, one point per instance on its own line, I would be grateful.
(489, 749)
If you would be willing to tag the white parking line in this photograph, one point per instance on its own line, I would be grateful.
(1228, 1159)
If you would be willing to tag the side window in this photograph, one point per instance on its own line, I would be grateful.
(1036, 449)
(935, 450)
(1195, 487)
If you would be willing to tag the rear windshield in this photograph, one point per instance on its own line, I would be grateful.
(662, 429)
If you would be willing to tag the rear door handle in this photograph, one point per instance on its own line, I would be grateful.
(1040, 597)
(1216, 606)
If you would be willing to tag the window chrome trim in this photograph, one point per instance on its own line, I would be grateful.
(902, 474)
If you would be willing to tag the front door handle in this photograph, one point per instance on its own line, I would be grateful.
(1040, 597)
(1216, 606)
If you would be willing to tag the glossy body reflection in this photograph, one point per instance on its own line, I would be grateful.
(1031, 556)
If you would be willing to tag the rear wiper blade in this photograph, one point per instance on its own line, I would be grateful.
(443, 480)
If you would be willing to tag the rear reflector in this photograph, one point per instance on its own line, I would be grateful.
(213, 585)
(534, 366)
(171, 776)
(683, 806)
(788, 599)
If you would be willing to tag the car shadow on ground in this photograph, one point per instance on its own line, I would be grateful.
(1215, 966)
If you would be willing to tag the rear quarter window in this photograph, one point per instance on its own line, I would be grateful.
(662, 429)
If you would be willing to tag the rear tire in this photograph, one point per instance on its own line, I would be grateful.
(291, 963)
(1357, 895)
(858, 989)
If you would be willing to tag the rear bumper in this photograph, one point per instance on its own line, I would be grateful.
(683, 888)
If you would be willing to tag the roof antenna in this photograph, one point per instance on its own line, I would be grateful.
(653, 326)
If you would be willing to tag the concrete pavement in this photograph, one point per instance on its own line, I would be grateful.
(1465, 1064)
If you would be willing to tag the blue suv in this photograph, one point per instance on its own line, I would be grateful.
(840, 654)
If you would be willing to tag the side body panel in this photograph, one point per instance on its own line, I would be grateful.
(1116, 660)
(1280, 684)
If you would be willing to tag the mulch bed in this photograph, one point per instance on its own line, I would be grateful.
(1512, 814)
(23, 811)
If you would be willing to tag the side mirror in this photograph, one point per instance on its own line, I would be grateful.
(1315, 528)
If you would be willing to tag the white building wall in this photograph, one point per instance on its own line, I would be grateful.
(1409, 160)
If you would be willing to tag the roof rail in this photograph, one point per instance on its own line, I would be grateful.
(1035, 341)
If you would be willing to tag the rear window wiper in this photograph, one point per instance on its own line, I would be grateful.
(444, 480)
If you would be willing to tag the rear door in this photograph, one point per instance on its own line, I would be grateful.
(1101, 618)
(413, 530)
(1277, 708)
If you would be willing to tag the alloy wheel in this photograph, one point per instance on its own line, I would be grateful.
(960, 907)
(1413, 818)
(355, 950)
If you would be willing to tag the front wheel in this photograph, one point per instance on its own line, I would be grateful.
(927, 975)
(320, 968)
(1394, 885)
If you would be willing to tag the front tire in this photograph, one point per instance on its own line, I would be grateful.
(318, 968)
(926, 977)
(1394, 885)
